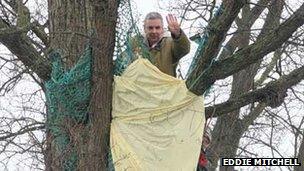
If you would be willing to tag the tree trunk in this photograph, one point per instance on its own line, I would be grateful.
(300, 157)
(229, 128)
(105, 17)
(73, 24)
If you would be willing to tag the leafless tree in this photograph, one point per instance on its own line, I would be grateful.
(239, 128)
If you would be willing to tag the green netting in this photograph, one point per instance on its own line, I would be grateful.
(202, 40)
(129, 40)
(68, 94)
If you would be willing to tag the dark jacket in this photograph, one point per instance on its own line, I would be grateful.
(166, 54)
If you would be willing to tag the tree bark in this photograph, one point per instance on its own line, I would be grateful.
(229, 128)
(217, 29)
(105, 17)
(21, 46)
(73, 24)
(246, 56)
(300, 157)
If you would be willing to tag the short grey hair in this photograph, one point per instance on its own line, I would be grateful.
(153, 16)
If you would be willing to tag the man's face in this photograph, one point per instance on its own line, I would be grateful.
(154, 30)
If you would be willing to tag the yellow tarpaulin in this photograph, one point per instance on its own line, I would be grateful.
(157, 123)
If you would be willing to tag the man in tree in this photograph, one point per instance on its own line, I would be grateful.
(165, 51)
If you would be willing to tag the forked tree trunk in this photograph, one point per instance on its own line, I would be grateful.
(71, 24)
(230, 128)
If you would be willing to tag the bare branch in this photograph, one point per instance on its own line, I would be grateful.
(21, 47)
(250, 54)
(218, 27)
(272, 94)
(21, 131)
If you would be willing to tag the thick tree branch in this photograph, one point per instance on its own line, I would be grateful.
(38, 29)
(216, 31)
(251, 117)
(276, 56)
(272, 94)
(23, 18)
(21, 46)
(250, 54)
(5, 31)
(250, 20)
